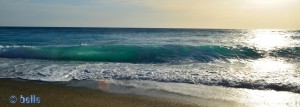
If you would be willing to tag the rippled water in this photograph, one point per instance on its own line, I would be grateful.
(259, 59)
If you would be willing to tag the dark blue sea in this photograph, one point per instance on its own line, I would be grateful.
(255, 59)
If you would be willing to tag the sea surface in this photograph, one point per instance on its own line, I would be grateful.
(254, 59)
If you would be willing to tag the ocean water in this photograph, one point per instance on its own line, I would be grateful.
(255, 59)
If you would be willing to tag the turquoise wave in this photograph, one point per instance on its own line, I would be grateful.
(132, 53)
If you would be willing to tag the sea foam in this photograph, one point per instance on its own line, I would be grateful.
(217, 73)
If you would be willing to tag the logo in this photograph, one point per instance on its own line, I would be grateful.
(32, 99)
(13, 99)
(103, 85)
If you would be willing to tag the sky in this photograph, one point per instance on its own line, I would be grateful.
(237, 14)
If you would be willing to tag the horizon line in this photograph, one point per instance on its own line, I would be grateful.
(127, 27)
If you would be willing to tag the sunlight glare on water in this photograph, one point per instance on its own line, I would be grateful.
(271, 98)
(268, 39)
(270, 65)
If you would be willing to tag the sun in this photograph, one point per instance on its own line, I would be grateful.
(266, 3)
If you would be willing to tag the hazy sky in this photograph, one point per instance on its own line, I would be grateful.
(278, 14)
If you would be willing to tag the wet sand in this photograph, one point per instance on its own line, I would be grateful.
(59, 95)
(122, 93)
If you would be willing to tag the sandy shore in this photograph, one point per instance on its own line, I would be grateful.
(58, 95)
(122, 93)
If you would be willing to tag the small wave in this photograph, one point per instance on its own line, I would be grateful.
(291, 52)
(132, 53)
(16, 46)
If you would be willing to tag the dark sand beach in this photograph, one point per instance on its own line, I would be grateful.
(58, 95)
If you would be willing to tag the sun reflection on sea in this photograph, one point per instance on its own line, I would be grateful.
(270, 65)
(268, 39)
(271, 98)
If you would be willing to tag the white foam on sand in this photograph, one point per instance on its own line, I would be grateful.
(214, 96)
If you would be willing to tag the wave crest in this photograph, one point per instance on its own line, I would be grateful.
(132, 53)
